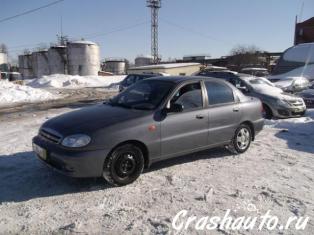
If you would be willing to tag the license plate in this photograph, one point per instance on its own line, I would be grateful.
(41, 152)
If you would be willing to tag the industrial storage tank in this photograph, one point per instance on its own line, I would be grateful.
(143, 60)
(25, 66)
(57, 60)
(83, 58)
(115, 65)
(40, 63)
(3, 61)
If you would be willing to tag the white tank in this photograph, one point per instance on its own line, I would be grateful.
(25, 66)
(3, 58)
(143, 60)
(57, 60)
(115, 65)
(40, 63)
(83, 58)
(3, 61)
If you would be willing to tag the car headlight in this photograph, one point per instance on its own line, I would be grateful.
(76, 141)
(283, 103)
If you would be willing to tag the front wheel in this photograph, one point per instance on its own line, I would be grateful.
(124, 165)
(242, 139)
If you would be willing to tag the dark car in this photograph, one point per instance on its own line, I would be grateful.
(155, 119)
(276, 103)
(308, 96)
(133, 78)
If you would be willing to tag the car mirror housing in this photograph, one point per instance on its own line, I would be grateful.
(244, 89)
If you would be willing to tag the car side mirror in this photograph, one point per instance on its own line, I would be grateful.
(175, 108)
(244, 89)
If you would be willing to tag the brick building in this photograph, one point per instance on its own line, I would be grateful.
(304, 32)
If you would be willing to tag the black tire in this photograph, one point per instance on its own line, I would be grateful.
(124, 165)
(267, 113)
(237, 145)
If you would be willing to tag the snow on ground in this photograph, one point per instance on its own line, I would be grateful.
(69, 81)
(14, 93)
(276, 173)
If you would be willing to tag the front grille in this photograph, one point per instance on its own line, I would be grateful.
(50, 135)
(296, 103)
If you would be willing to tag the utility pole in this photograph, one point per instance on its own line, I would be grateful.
(154, 5)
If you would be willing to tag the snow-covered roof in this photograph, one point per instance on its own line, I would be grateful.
(254, 69)
(83, 42)
(166, 66)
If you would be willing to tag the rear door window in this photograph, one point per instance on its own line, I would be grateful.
(219, 93)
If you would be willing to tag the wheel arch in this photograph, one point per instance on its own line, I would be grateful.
(140, 145)
(251, 126)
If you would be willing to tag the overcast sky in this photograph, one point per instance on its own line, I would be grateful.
(122, 27)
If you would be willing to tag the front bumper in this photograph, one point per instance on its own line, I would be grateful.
(74, 163)
(282, 112)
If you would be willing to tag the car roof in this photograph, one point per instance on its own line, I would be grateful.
(180, 79)
(144, 74)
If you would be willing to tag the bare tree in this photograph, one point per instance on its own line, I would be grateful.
(243, 55)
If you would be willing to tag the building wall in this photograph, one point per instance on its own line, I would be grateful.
(304, 32)
(177, 71)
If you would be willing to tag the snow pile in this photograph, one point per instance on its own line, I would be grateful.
(291, 122)
(14, 93)
(69, 81)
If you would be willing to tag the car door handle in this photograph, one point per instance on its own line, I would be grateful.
(199, 116)
(235, 109)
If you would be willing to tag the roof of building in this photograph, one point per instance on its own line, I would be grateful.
(165, 66)
(83, 42)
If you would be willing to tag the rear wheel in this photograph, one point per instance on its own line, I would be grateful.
(242, 139)
(124, 165)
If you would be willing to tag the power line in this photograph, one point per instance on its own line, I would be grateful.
(196, 32)
(88, 36)
(94, 35)
(31, 11)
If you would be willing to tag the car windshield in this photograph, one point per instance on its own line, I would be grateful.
(146, 95)
(257, 81)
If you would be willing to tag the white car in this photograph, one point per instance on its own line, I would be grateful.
(290, 84)
(295, 68)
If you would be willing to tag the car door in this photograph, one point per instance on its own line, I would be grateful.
(186, 130)
(223, 110)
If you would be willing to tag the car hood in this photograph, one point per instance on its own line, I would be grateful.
(87, 120)
(273, 92)
(267, 90)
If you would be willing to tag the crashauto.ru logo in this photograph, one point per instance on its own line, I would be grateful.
(183, 221)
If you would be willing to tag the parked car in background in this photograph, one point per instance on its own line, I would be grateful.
(133, 78)
(290, 84)
(11, 76)
(276, 103)
(308, 96)
(155, 119)
(295, 68)
(258, 72)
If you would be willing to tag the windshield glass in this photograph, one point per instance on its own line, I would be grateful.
(146, 95)
(257, 81)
